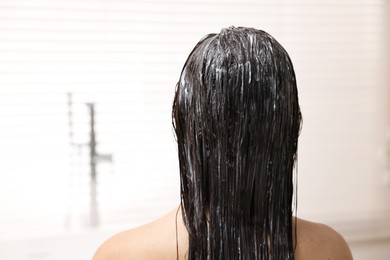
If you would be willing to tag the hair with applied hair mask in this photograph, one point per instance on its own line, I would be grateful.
(237, 119)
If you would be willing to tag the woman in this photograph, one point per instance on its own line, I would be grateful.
(237, 120)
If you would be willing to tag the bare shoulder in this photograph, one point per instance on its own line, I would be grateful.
(167, 237)
(319, 241)
(156, 240)
(117, 247)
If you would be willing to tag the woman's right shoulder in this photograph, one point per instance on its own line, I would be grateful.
(319, 241)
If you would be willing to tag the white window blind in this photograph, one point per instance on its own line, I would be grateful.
(124, 58)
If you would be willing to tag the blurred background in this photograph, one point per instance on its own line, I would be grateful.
(86, 141)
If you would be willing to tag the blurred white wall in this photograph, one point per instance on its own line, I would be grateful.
(126, 57)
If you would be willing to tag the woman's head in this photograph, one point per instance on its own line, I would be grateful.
(237, 119)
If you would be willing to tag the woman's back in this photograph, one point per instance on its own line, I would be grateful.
(237, 119)
(163, 239)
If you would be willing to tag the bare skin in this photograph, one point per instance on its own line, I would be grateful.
(157, 240)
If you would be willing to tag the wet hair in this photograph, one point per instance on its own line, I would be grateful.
(237, 119)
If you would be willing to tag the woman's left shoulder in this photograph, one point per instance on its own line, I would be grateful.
(120, 246)
(155, 240)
